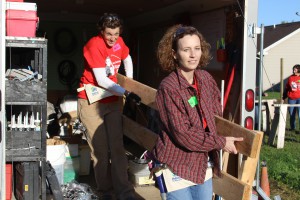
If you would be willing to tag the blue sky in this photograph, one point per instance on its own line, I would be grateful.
(272, 12)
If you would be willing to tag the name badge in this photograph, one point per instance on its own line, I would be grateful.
(193, 101)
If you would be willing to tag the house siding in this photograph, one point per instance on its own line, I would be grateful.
(289, 51)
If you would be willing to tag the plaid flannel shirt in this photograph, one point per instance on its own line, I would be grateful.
(183, 144)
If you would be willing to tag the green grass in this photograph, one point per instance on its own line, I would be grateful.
(283, 164)
(272, 95)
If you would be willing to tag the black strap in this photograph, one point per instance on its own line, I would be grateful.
(53, 182)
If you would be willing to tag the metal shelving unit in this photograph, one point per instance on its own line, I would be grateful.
(23, 96)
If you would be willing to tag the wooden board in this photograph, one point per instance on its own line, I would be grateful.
(146, 93)
(230, 188)
(138, 133)
(274, 126)
(225, 127)
(281, 126)
(146, 138)
(278, 125)
(250, 145)
(247, 170)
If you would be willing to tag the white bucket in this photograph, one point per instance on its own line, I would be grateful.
(55, 154)
(59, 171)
(139, 172)
(139, 166)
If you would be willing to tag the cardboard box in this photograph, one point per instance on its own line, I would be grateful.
(21, 19)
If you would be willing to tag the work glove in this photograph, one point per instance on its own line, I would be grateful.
(134, 98)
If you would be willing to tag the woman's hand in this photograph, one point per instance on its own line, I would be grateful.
(230, 146)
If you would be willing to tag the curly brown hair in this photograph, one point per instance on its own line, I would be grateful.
(169, 42)
(110, 20)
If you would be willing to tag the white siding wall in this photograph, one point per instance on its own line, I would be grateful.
(289, 50)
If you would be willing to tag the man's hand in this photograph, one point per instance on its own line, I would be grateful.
(230, 146)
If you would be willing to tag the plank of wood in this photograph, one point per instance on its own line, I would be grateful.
(138, 133)
(248, 165)
(230, 188)
(225, 161)
(271, 108)
(281, 126)
(146, 93)
(269, 116)
(249, 146)
(274, 126)
(226, 128)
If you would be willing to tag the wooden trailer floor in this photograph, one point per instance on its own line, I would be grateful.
(145, 192)
(148, 192)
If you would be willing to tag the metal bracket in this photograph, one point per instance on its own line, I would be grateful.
(253, 30)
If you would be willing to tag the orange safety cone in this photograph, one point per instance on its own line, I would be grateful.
(264, 180)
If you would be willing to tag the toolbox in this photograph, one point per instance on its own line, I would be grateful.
(21, 19)
(27, 181)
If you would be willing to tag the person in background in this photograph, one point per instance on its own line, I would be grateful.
(188, 100)
(292, 92)
(103, 55)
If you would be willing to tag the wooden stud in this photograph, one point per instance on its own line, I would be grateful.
(278, 125)
(138, 133)
(225, 161)
(248, 165)
(146, 93)
(274, 127)
(249, 146)
(230, 188)
(281, 126)
(271, 108)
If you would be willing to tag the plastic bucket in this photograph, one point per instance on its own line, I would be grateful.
(59, 172)
(139, 172)
(139, 166)
(56, 156)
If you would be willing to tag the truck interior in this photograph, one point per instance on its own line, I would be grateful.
(226, 24)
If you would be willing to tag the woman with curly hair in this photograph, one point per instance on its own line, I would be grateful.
(188, 100)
